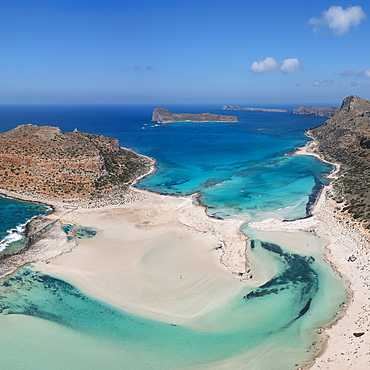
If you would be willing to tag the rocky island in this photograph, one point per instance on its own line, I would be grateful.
(49, 162)
(162, 115)
(236, 108)
(316, 111)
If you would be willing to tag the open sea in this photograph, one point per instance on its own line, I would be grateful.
(242, 171)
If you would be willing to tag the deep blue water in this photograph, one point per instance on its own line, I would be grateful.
(241, 170)
(239, 167)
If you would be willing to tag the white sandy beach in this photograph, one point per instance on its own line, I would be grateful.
(158, 257)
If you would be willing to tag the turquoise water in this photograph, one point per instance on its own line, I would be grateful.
(14, 215)
(269, 315)
(242, 170)
(78, 232)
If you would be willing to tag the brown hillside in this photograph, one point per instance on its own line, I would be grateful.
(345, 139)
(47, 161)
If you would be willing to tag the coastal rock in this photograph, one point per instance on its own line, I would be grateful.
(316, 111)
(162, 115)
(235, 107)
(45, 160)
(345, 139)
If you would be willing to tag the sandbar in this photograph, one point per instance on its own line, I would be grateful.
(161, 257)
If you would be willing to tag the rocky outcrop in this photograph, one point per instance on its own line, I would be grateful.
(345, 139)
(45, 160)
(162, 115)
(235, 107)
(316, 111)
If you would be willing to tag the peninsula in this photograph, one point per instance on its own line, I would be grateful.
(49, 162)
(80, 176)
(162, 115)
(316, 111)
(234, 107)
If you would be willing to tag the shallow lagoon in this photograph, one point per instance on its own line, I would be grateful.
(242, 172)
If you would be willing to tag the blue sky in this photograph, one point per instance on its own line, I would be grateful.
(76, 51)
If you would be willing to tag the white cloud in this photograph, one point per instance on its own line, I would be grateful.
(365, 85)
(269, 64)
(365, 73)
(290, 65)
(339, 20)
(354, 84)
(323, 83)
(347, 72)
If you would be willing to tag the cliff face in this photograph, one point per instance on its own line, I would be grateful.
(162, 115)
(47, 161)
(345, 139)
(316, 111)
(349, 129)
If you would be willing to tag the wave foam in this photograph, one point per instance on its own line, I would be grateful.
(14, 235)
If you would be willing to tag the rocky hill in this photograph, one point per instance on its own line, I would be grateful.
(162, 115)
(316, 111)
(47, 161)
(345, 139)
(235, 107)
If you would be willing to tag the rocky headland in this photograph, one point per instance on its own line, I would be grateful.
(236, 108)
(315, 111)
(162, 115)
(46, 162)
(345, 139)
(342, 215)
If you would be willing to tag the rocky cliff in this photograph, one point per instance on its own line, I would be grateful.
(45, 160)
(345, 139)
(235, 107)
(316, 111)
(162, 115)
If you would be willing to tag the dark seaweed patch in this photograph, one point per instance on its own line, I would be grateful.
(305, 308)
(313, 196)
(34, 294)
(298, 274)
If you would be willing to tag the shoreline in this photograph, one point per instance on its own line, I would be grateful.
(231, 255)
(30, 253)
(341, 350)
(134, 236)
(228, 248)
